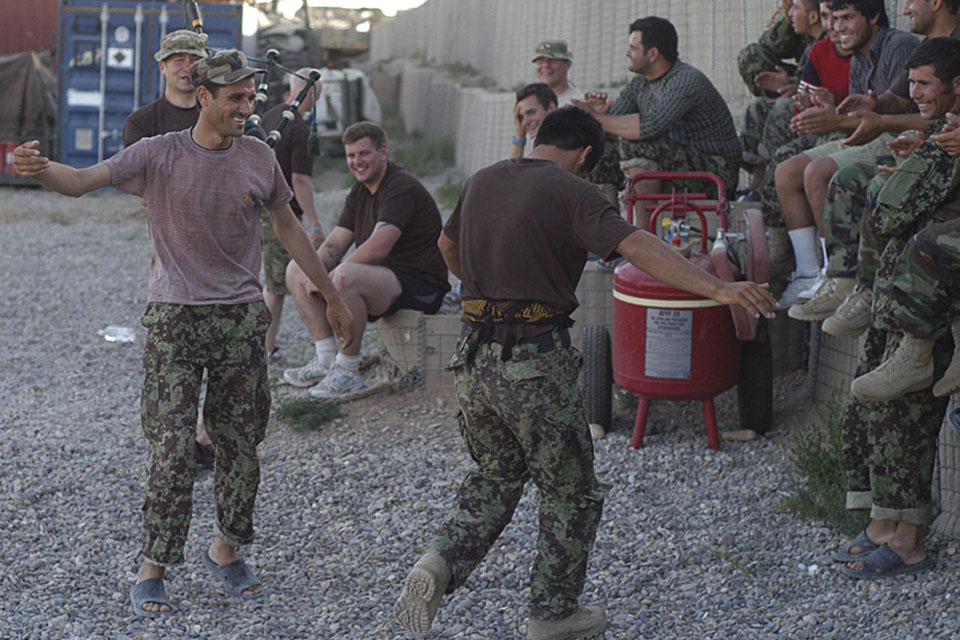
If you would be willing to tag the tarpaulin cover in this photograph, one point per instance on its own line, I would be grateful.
(28, 99)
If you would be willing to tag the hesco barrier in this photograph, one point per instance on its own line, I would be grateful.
(96, 91)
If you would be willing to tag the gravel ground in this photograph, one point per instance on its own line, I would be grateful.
(693, 542)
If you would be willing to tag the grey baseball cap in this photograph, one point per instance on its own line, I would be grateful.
(182, 41)
(223, 67)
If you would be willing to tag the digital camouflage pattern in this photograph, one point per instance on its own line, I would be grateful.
(664, 154)
(607, 174)
(524, 419)
(766, 127)
(275, 257)
(847, 196)
(926, 283)
(778, 43)
(889, 447)
(181, 340)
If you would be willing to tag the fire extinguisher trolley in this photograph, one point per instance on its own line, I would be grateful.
(671, 344)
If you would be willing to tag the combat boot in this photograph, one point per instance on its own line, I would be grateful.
(950, 381)
(422, 592)
(585, 622)
(852, 317)
(910, 368)
(828, 298)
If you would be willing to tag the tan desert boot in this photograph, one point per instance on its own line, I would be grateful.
(950, 382)
(585, 622)
(910, 368)
(422, 592)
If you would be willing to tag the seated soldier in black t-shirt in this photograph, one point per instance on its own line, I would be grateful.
(394, 222)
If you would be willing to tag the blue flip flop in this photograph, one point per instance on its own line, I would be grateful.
(885, 563)
(234, 576)
(150, 591)
(843, 554)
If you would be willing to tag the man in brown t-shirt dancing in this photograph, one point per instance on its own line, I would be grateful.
(394, 222)
(518, 239)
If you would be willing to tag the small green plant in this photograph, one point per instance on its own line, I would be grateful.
(304, 414)
(820, 482)
(449, 193)
(427, 156)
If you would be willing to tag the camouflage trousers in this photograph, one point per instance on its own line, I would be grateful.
(275, 257)
(181, 340)
(522, 419)
(662, 153)
(850, 189)
(770, 201)
(889, 447)
(926, 283)
(777, 43)
(766, 128)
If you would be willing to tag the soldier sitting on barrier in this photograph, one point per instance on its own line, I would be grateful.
(766, 121)
(889, 440)
(394, 222)
(670, 117)
(762, 64)
(533, 103)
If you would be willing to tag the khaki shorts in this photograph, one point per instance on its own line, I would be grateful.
(845, 156)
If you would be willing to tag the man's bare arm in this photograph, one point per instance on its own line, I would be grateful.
(378, 246)
(626, 127)
(333, 249)
(303, 190)
(648, 253)
(295, 241)
(59, 177)
(451, 253)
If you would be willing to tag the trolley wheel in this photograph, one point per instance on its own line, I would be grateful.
(596, 377)
(755, 387)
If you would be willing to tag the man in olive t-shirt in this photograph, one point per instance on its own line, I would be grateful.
(518, 239)
(394, 223)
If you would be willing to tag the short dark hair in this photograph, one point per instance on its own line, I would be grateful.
(214, 89)
(364, 129)
(942, 53)
(572, 128)
(545, 95)
(869, 9)
(952, 5)
(814, 5)
(657, 32)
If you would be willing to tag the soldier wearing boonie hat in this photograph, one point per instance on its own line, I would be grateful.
(182, 41)
(553, 59)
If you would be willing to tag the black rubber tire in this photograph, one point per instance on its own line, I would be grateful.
(755, 386)
(596, 378)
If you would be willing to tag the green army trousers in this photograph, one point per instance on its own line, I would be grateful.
(524, 419)
(182, 340)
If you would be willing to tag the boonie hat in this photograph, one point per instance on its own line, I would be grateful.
(182, 41)
(553, 49)
(223, 67)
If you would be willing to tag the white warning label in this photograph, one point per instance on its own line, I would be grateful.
(669, 343)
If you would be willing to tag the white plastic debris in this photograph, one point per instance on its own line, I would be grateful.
(113, 333)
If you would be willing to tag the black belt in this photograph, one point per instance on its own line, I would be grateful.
(545, 341)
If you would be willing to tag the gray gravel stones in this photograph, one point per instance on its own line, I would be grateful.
(693, 542)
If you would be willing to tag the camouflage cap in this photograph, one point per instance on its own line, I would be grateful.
(223, 67)
(553, 49)
(182, 41)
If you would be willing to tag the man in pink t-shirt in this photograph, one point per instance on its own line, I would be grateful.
(204, 189)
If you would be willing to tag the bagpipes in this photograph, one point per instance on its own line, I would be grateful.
(251, 127)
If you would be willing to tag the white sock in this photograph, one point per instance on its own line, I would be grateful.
(350, 363)
(805, 251)
(823, 249)
(326, 350)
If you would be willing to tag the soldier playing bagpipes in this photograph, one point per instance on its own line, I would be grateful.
(204, 189)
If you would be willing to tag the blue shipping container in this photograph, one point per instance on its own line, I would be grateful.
(96, 92)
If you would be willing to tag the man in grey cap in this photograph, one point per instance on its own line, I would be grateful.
(177, 108)
(553, 59)
(204, 189)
